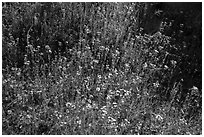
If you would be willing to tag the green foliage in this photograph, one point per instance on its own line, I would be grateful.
(113, 82)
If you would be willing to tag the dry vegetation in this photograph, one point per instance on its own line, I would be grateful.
(111, 80)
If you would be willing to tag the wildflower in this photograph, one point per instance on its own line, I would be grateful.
(48, 49)
(95, 61)
(97, 89)
(9, 111)
(145, 65)
(159, 118)
(18, 73)
(38, 47)
(27, 62)
(29, 46)
(156, 84)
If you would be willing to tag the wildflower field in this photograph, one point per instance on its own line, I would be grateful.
(91, 69)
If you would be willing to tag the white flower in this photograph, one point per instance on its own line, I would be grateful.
(145, 65)
(159, 117)
(97, 89)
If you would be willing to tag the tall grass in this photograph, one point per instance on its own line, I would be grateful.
(116, 91)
